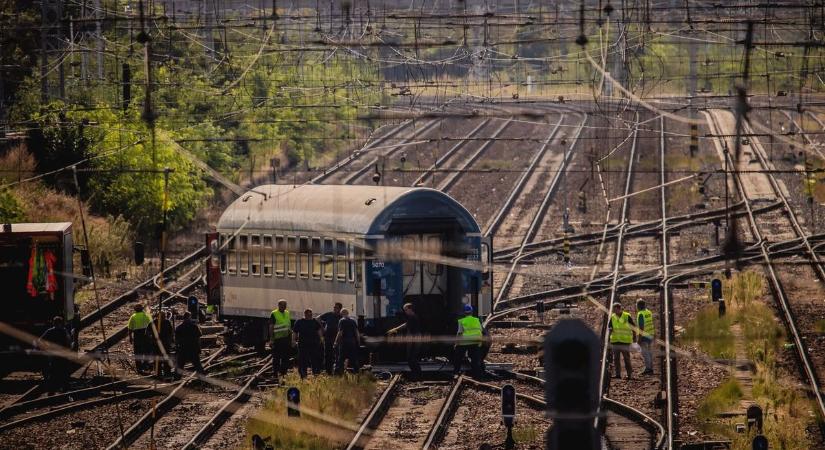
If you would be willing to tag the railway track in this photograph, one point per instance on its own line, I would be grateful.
(783, 302)
(102, 315)
(371, 433)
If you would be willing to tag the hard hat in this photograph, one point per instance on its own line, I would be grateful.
(468, 309)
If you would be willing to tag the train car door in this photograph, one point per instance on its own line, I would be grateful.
(485, 302)
(424, 276)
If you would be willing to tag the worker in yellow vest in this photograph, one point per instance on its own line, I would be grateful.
(469, 339)
(644, 319)
(621, 327)
(281, 339)
(138, 322)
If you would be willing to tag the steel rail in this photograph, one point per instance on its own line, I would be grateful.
(522, 181)
(148, 391)
(227, 410)
(445, 413)
(538, 218)
(653, 226)
(376, 415)
(778, 290)
(353, 177)
(669, 373)
(133, 293)
(357, 153)
(148, 419)
(450, 180)
(604, 383)
(449, 153)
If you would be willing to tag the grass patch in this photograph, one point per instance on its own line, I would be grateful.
(496, 164)
(325, 401)
(787, 412)
(723, 398)
(820, 326)
(711, 333)
(527, 433)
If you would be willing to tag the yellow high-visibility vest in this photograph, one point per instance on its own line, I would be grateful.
(471, 333)
(645, 314)
(283, 323)
(139, 321)
(621, 334)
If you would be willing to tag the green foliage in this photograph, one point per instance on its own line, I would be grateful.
(320, 398)
(720, 399)
(711, 333)
(10, 208)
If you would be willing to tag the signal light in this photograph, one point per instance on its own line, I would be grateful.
(571, 361)
(293, 402)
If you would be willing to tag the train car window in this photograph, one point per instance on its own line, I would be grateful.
(280, 256)
(243, 255)
(341, 260)
(433, 250)
(329, 259)
(316, 258)
(303, 261)
(232, 259)
(408, 247)
(352, 262)
(292, 256)
(267, 255)
(221, 240)
(256, 254)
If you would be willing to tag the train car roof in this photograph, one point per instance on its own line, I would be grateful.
(40, 227)
(364, 210)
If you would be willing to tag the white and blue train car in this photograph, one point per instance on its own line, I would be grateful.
(372, 248)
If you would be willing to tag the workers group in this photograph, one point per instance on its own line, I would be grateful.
(624, 331)
(154, 340)
(331, 342)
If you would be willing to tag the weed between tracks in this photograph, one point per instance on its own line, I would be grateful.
(339, 399)
(787, 413)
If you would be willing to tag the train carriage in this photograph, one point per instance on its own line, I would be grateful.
(371, 248)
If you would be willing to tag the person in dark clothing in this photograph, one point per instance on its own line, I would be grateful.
(55, 372)
(413, 330)
(161, 334)
(308, 335)
(330, 322)
(348, 342)
(188, 341)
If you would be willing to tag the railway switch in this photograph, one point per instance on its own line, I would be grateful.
(293, 402)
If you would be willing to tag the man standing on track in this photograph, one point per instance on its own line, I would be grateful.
(470, 337)
(621, 336)
(281, 341)
(138, 323)
(644, 320)
(330, 322)
(348, 342)
(55, 371)
(188, 340)
(309, 337)
(412, 327)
